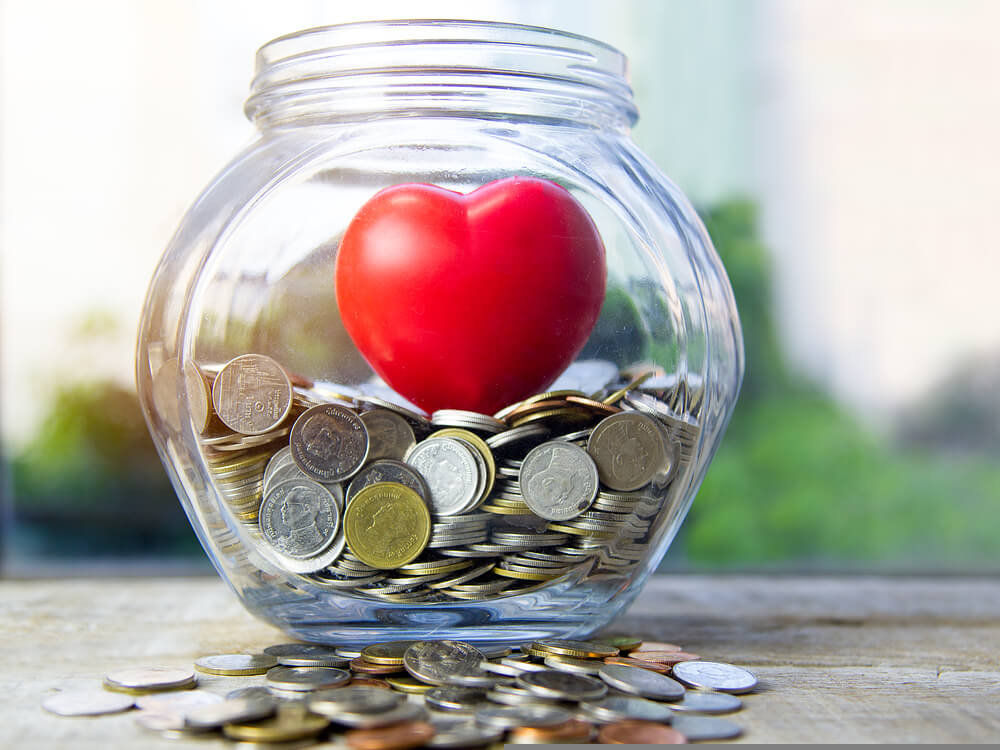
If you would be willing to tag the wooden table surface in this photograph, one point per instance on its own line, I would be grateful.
(859, 659)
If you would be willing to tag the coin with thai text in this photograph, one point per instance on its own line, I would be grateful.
(299, 518)
(558, 480)
(451, 471)
(387, 525)
(628, 449)
(389, 434)
(437, 662)
(388, 470)
(329, 443)
(87, 703)
(252, 394)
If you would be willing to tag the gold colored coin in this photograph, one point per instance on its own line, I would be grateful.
(578, 649)
(291, 723)
(635, 383)
(387, 525)
(389, 653)
(525, 576)
(406, 684)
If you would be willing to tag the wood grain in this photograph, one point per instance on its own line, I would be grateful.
(863, 659)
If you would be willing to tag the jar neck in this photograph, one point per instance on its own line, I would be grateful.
(373, 70)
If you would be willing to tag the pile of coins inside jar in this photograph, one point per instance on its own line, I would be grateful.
(438, 694)
(363, 495)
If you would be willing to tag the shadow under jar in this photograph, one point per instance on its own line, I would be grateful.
(484, 421)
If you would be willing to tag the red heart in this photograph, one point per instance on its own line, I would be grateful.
(470, 301)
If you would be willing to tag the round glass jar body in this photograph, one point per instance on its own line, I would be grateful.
(242, 334)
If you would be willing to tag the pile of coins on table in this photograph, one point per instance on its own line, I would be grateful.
(438, 694)
(363, 495)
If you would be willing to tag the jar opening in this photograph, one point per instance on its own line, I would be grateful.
(481, 69)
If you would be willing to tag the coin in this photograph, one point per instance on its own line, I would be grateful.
(230, 711)
(353, 699)
(481, 449)
(667, 658)
(300, 519)
(87, 703)
(562, 685)
(622, 642)
(702, 728)
(286, 726)
(329, 442)
(387, 525)
(639, 733)
(464, 735)
(576, 666)
(437, 662)
(571, 732)
(628, 449)
(176, 701)
(149, 680)
(307, 678)
(704, 702)
(641, 682)
(712, 675)
(389, 652)
(252, 394)
(460, 699)
(621, 707)
(404, 711)
(654, 646)
(577, 649)
(404, 683)
(628, 661)
(199, 396)
(235, 664)
(398, 737)
(387, 470)
(559, 480)
(362, 665)
(450, 469)
(389, 434)
(510, 717)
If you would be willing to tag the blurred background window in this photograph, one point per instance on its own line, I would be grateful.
(844, 156)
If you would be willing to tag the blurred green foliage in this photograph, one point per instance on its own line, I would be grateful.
(90, 483)
(798, 481)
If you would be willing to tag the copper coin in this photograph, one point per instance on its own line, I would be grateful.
(574, 730)
(398, 737)
(370, 681)
(656, 646)
(664, 657)
(639, 733)
(641, 663)
(360, 664)
(596, 406)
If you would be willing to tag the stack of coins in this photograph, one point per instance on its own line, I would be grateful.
(437, 694)
(367, 497)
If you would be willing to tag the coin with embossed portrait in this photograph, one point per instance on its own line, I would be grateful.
(387, 525)
(628, 449)
(389, 434)
(329, 443)
(299, 518)
(558, 480)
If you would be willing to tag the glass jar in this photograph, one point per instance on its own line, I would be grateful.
(328, 272)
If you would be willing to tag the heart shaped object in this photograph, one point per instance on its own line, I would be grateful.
(470, 301)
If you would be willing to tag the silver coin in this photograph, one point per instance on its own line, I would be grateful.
(354, 699)
(389, 434)
(459, 699)
(388, 470)
(283, 473)
(236, 664)
(702, 728)
(465, 735)
(87, 703)
(467, 419)
(280, 650)
(576, 666)
(712, 675)
(628, 449)
(229, 711)
(164, 722)
(437, 662)
(329, 443)
(252, 394)
(405, 711)
(299, 518)
(641, 682)
(307, 678)
(558, 480)
(562, 685)
(621, 707)
(177, 701)
(511, 717)
(282, 458)
(150, 678)
(249, 692)
(451, 471)
(703, 702)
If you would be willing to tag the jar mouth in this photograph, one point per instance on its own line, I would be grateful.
(439, 67)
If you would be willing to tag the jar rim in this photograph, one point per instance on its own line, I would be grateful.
(448, 58)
